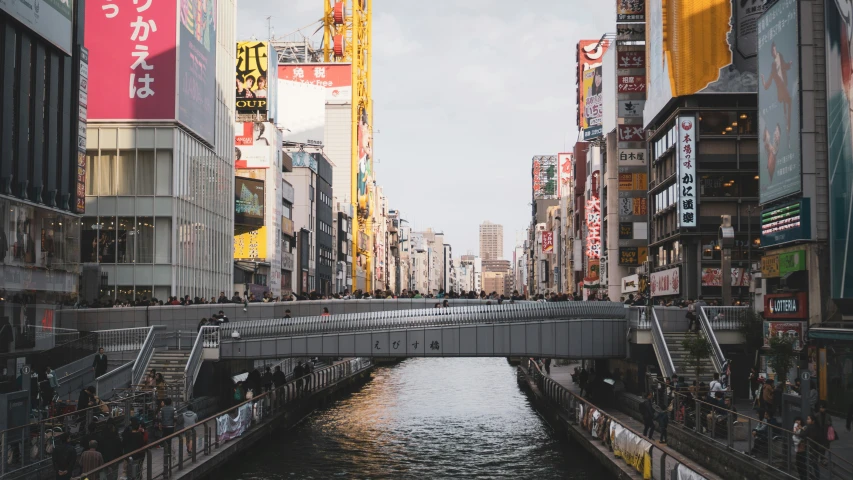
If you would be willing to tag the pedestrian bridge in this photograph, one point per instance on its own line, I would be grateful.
(576, 330)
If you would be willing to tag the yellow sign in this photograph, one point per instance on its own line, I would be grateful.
(251, 245)
(770, 266)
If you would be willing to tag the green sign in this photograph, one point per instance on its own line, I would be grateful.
(780, 159)
(792, 262)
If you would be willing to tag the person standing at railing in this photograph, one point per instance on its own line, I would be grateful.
(647, 408)
(64, 458)
(826, 432)
(800, 448)
(99, 364)
(753, 383)
(91, 458)
(692, 316)
(809, 432)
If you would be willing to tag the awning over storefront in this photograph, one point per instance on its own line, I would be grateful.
(831, 333)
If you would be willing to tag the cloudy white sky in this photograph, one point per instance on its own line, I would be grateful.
(465, 93)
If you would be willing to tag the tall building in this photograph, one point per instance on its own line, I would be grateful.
(160, 151)
(42, 161)
(491, 241)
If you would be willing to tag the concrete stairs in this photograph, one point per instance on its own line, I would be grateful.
(171, 363)
(683, 365)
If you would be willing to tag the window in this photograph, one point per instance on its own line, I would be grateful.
(106, 169)
(145, 239)
(91, 172)
(126, 173)
(164, 172)
(126, 240)
(145, 171)
(163, 240)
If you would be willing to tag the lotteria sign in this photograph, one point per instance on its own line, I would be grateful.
(786, 305)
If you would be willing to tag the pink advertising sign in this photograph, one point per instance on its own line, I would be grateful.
(132, 59)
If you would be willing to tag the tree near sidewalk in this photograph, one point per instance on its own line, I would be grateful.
(698, 349)
(782, 357)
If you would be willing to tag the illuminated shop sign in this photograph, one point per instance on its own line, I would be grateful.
(785, 224)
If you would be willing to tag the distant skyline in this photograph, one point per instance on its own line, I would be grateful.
(465, 93)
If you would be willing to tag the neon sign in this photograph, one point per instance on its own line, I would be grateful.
(593, 227)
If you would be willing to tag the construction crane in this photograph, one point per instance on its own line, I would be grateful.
(346, 38)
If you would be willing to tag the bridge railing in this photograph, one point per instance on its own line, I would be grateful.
(122, 339)
(167, 457)
(146, 351)
(207, 337)
(724, 318)
(426, 317)
(24, 449)
(771, 445)
(660, 347)
(577, 409)
(717, 357)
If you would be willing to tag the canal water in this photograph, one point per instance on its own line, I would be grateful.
(437, 418)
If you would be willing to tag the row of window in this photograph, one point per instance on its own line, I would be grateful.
(129, 172)
(126, 240)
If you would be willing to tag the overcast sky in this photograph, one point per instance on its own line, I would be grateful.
(465, 93)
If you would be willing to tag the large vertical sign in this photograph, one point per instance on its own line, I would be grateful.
(83, 101)
(839, 100)
(197, 67)
(547, 242)
(252, 81)
(132, 75)
(590, 53)
(688, 193)
(545, 176)
(779, 102)
(593, 86)
(565, 162)
(593, 227)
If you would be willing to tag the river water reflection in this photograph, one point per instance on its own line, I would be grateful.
(436, 418)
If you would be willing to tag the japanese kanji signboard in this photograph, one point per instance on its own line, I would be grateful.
(688, 194)
(631, 59)
(132, 76)
(630, 10)
(630, 133)
(631, 84)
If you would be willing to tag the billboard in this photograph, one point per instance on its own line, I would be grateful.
(685, 58)
(593, 228)
(713, 277)
(786, 305)
(134, 72)
(252, 82)
(593, 86)
(786, 223)
(565, 162)
(301, 112)
(251, 245)
(630, 10)
(252, 144)
(794, 330)
(336, 78)
(249, 200)
(590, 53)
(545, 176)
(547, 242)
(364, 181)
(780, 161)
(196, 66)
(839, 101)
(688, 193)
(666, 282)
(51, 19)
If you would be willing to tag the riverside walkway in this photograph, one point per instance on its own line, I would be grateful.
(221, 436)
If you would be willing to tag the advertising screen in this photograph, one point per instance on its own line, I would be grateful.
(365, 165)
(131, 76)
(248, 202)
(590, 54)
(252, 82)
(197, 66)
(251, 245)
(839, 100)
(336, 78)
(779, 102)
(302, 112)
(254, 144)
(684, 58)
